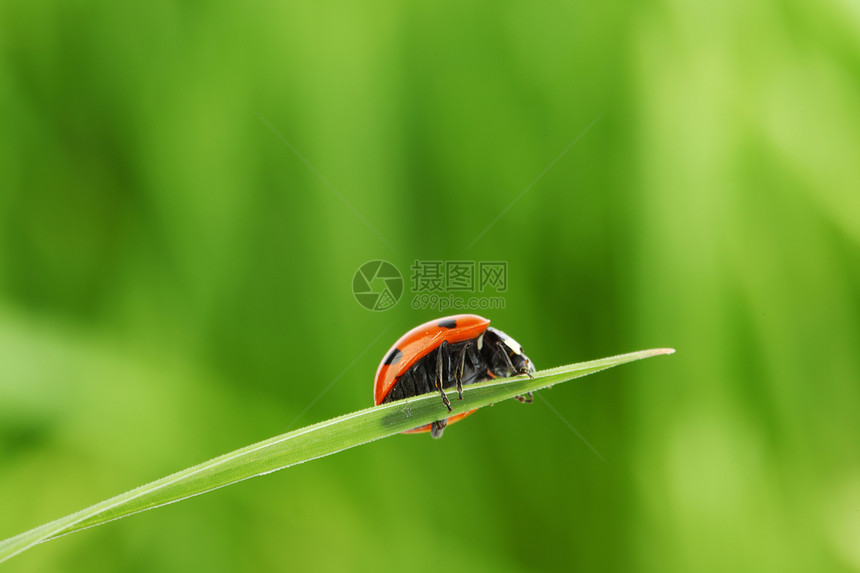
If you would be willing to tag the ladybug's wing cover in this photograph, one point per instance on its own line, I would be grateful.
(419, 342)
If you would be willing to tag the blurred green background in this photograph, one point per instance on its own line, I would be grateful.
(175, 281)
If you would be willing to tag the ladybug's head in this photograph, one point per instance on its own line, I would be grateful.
(500, 348)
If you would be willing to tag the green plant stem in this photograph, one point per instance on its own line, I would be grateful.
(304, 444)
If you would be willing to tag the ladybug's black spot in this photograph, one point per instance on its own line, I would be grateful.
(449, 323)
(393, 356)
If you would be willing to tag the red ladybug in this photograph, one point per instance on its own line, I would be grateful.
(449, 352)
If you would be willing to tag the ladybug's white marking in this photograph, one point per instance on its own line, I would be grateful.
(510, 342)
(480, 342)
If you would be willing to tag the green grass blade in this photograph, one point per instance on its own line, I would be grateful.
(305, 444)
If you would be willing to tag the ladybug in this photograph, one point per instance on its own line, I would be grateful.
(446, 353)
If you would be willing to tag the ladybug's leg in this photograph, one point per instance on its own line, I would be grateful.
(504, 353)
(440, 358)
(458, 373)
(529, 397)
(511, 369)
(526, 370)
(437, 427)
